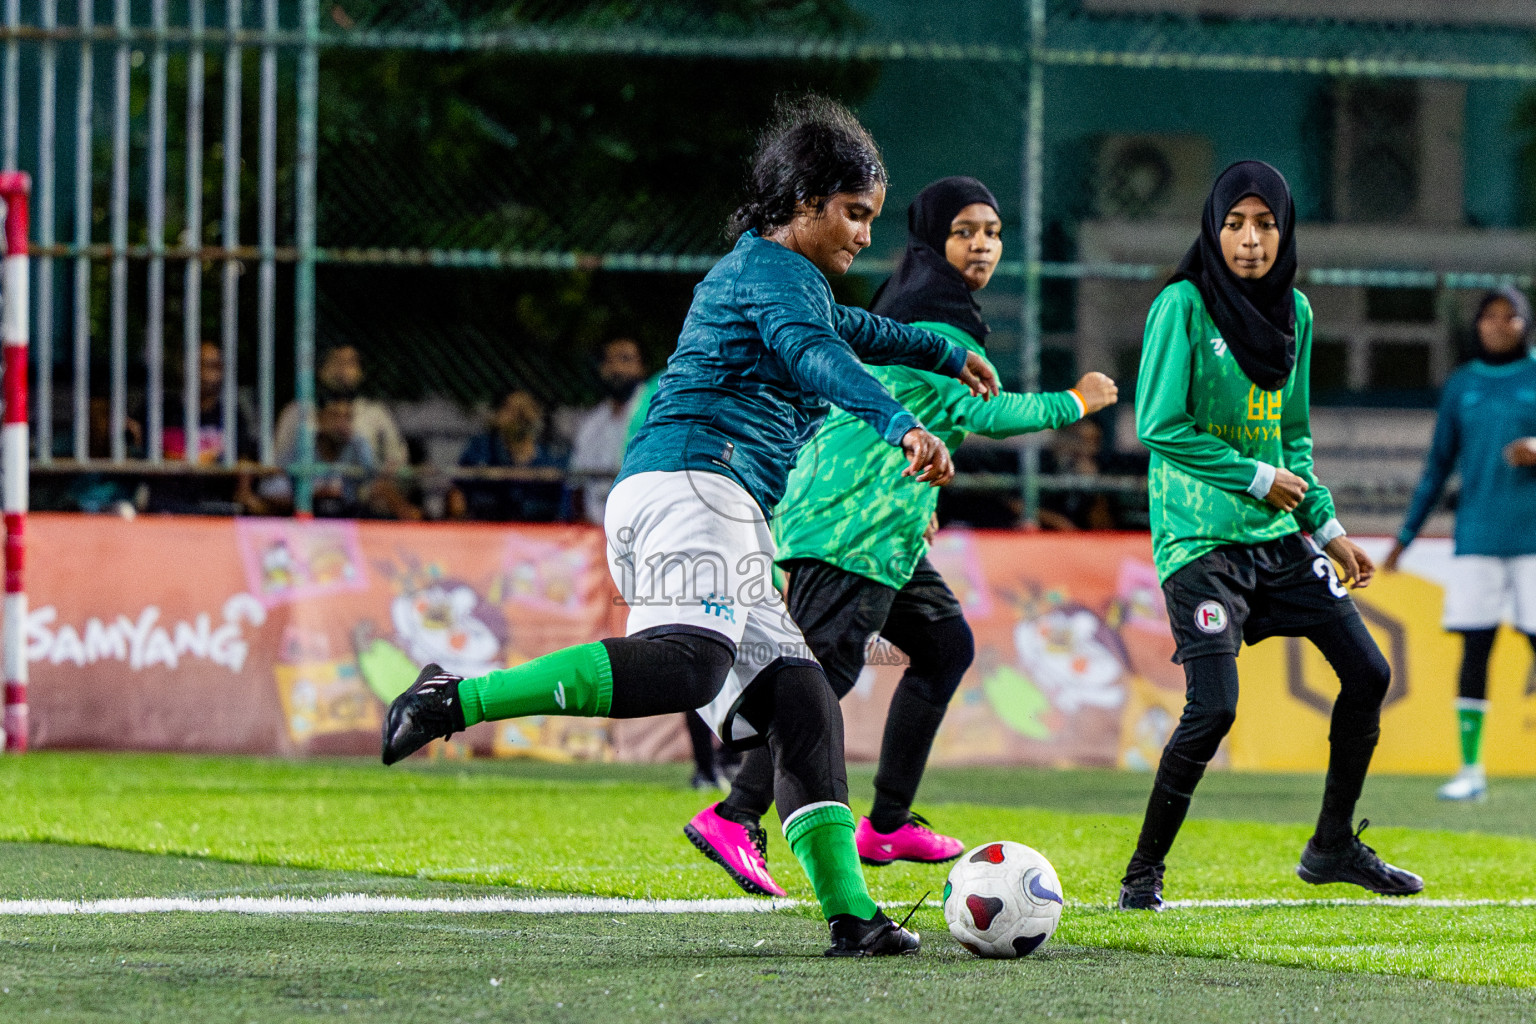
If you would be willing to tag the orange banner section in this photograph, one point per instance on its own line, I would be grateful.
(287, 637)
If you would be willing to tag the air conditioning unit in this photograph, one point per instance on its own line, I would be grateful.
(1152, 177)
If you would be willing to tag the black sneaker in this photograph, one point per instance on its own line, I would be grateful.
(879, 936)
(1142, 888)
(1357, 864)
(428, 710)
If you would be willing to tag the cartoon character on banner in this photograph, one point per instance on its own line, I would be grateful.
(1066, 659)
(439, 618)
(435, 618)
(287, 561)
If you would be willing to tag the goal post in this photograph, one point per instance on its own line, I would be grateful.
(15, 302)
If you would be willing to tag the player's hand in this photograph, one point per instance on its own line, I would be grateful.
(1390, 565)
(1521, 452)
(1098, 391)
(927, 458)
(1287, 490)
(933, 529)
(978, 376)
(1355, 565)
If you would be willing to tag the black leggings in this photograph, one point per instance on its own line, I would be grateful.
(939, 654)
(1211, 707)
(678, 668)
(1476, 646)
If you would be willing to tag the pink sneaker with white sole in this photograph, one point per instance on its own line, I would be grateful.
(741, 851)
(913, 841)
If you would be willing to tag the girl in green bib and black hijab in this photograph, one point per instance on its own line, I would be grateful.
(1243, 534)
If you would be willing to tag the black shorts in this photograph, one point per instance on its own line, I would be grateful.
(838, 611)
(1248, 592)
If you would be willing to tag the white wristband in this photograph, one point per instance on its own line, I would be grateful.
(1263, 480)
(1329, 532)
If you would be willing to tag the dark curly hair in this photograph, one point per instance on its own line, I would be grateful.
(812, 150)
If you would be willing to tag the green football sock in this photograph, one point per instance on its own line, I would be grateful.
(1469, 715)
(822, 840)
(576, 681)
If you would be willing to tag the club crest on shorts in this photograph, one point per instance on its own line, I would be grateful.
(1211, 617)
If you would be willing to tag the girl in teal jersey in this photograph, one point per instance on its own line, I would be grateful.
(853, 541)
(762, 355)
(1486, 432)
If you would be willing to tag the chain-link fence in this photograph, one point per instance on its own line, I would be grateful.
(478, 194)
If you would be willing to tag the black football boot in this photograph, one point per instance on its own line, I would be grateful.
(878, 936)
(1357, 864)
(429, 710)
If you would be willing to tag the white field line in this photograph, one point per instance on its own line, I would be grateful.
(1406, 901)
(356, 903)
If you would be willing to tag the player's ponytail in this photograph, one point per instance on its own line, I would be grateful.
(813, 149)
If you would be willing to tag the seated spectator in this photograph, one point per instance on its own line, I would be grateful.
(604, 431)
(193, 493)
(1077, 450)
(340, 373)
(514, 441)
(121, 494)
(208, 444)
(346, 484)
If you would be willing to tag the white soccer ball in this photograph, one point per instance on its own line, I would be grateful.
(1002, 900)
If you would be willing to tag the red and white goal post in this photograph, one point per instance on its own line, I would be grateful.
(15, 301)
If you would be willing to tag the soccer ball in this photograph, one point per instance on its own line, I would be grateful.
(1002, 900)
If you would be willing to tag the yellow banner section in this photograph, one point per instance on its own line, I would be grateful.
(1288, 689)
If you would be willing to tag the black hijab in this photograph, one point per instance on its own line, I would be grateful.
(1515, 297)
(926, 286)
(1257, 319)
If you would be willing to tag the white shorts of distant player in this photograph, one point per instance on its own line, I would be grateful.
(693, 549)
(1481, 590)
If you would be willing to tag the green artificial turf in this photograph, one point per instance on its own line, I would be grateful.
(264, 827)
(591, 968)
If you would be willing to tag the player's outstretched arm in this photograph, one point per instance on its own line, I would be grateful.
(881, 341)
(794, 319)
(1013, 412)
(1439, 463)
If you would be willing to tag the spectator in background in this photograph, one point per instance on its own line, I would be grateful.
(340, 373)
(106, 492)
(348, 487)
(202, 443)
(604, 431)
(1076, 450)
(206, 437)
(514, 441)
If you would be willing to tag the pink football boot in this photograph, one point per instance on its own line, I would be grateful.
(913, 841)
(742, 851)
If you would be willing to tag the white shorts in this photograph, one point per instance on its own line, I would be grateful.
(1483, 591)
(693, 549)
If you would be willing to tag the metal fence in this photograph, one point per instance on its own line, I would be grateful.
(444, 183)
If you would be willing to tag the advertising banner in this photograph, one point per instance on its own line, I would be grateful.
(270, 636)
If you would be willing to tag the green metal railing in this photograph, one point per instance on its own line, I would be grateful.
(201, 47)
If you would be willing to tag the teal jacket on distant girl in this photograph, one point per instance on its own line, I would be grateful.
(763, 354)
(1482, 409)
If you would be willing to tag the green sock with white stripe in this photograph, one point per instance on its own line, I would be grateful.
(577, 681)
(1469, 717)
(822, 840)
